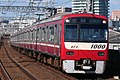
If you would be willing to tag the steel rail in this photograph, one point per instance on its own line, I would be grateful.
(22, 68)
(4, 72)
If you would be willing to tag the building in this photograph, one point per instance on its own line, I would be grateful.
(15, 25)
(91, 6)
(115, 19)
(63, 9)
(115, 15)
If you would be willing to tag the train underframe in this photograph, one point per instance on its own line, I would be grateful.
(84, 66)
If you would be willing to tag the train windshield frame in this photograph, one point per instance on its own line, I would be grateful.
(86, 32)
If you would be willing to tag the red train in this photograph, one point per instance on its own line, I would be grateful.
(76, 43)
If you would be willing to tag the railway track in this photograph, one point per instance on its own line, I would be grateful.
(13, 70)
(39, 70)
(4, 72)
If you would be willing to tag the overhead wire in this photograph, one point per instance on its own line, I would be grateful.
(11, 3)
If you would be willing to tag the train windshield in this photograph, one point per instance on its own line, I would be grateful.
(71, 33)
(82, 32)
(93, 33)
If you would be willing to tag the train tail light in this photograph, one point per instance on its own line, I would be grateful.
(101, 53)
(69, 53)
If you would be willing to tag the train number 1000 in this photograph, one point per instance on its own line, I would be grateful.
(96, 46)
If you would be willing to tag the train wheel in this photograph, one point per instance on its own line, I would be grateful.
(38, 58)
(45, 59)
(26, 52)
(30, 54)
(34, 55)
(52, 61)
(56, 63)
(49, 60)
(41, 58)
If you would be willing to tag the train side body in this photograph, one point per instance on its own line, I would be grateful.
(80, 41)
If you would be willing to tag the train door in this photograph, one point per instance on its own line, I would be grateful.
(34, 39)
(29, 39)
(56, 39)
(31, 35)
(43, 41)
(38, 39)
(50, 46)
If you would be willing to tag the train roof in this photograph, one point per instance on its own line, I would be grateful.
(59, 17)
(55, 17)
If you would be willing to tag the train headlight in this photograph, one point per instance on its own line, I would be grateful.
(67, 20)
(104, 22)
(101, 53)
(69, 53)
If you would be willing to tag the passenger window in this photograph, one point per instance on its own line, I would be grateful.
(43, 35)
(32, 36)
(56, 35)
(51, 38)
(39, 35)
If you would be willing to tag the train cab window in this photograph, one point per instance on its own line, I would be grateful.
(93, 33)
(71, 33)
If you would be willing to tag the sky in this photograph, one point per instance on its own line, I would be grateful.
(114, 4)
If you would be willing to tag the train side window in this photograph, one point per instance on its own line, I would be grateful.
(56, 41)
(21, 36)
(43, 34)
(32, 36)
(29, 35)
(39, 35)
(47, 34)
(25, 36)
(35, 37)
(51, 32)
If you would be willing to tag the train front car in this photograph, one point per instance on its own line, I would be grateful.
(84, 44)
